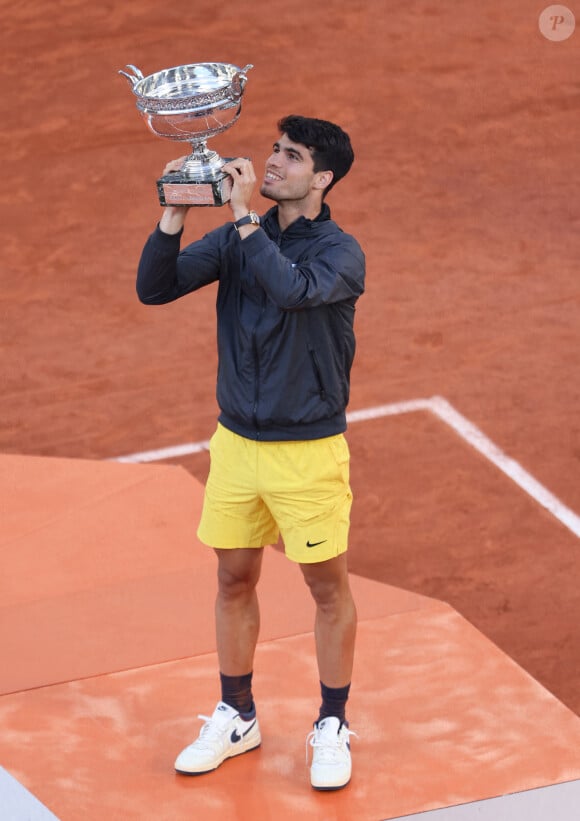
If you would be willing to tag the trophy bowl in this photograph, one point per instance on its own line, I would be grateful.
(191, 103)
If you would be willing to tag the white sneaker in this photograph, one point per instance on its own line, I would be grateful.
(222, 736)
(331, 763)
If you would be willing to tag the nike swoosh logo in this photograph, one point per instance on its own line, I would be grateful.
(315, 544)
(252, 725)
(235, 736)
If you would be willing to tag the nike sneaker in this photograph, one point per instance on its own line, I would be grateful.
(222, 736)
(331, 762)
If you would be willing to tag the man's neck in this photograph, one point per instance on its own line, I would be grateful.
(289, 212)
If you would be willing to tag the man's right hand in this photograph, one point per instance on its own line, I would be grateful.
(173, 217)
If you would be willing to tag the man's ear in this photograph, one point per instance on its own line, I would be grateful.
(323, 179)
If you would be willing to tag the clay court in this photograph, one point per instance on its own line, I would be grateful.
(464, 196)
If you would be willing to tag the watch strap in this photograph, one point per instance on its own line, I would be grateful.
(250, 219)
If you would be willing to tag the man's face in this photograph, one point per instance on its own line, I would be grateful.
(289, 174)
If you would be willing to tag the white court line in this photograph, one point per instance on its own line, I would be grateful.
(196, 447)
(164, 453)
(444, 411)
(478, 440)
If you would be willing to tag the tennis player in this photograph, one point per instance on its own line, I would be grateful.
(288, 282)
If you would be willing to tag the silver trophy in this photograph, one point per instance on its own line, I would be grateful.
(191, 104)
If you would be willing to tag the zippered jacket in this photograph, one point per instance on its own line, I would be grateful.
(285, 313)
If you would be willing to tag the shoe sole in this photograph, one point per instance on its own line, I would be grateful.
(225, 758)
(330, 789)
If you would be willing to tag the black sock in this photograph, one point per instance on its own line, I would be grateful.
(237, 692)
(333, 702)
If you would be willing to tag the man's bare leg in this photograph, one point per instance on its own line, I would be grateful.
(237, 615)
(335, 632)
(233, 729)
(336, 619)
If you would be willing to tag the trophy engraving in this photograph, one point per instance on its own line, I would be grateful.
(191, 103)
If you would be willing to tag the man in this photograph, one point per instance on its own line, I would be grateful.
(288, 283)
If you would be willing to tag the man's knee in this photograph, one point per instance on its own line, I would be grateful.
(328, 582)
(238, 571)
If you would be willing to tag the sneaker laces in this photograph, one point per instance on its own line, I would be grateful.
(210, 731)
(329, 748)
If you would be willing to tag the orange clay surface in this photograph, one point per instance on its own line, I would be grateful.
(108, 671)
(464, 196)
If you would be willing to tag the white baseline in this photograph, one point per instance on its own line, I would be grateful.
(444, 411)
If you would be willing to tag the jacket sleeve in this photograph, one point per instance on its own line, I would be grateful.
(335, 273)
(166, 273)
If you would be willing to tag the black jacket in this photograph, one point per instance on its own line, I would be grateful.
(285, 310)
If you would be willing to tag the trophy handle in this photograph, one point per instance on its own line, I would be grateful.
(239, 81)
(135, 76)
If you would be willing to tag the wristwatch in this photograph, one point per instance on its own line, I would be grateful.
(250, 219)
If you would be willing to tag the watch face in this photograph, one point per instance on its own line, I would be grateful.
(250, 219)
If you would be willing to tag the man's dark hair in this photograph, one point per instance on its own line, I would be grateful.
(328, 143)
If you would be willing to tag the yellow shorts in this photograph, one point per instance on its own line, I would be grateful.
(258, 490)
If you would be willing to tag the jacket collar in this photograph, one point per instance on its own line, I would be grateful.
(301, 226)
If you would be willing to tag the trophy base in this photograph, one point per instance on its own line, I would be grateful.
(177, 189)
